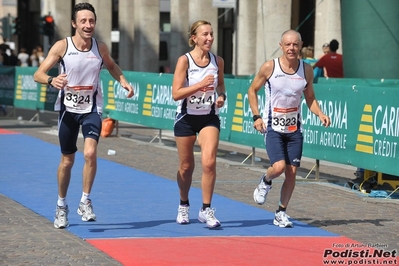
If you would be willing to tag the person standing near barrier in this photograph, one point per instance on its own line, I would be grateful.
(309, 58)
(34, 59)
(284, 79)
(326, 48)
(332, 62)
(40, 54)
(198, 84)
(23, 58)
(79, 103)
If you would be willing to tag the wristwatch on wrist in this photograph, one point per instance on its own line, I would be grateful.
(50, 79)
(256, 117)
(223, 95)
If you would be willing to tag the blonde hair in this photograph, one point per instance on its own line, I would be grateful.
(304, 52)
(193, 30)
(310, 52)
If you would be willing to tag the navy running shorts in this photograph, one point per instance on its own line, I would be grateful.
(69, 125)
(284, 146)
(189, 125)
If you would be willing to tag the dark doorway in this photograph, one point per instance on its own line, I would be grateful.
(29, 16)
(303, 20)
(225, 37)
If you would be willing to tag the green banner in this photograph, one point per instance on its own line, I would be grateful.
(26, 91)
(47, 95)
(364, 127)
(152, 104)
(360, 82)
(7, 85)
(32, 95)
(242, 125)
(365, 118)
(364, 113)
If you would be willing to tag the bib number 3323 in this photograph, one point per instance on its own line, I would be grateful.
(285, 119)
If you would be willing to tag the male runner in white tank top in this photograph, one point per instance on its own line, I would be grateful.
(284, 79)
(79, 103)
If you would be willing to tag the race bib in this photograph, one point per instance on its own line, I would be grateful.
(79, 97)
(285, 119)
(202, 99)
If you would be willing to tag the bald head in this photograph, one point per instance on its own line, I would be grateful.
(291, 33)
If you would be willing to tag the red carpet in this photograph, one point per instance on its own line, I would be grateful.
(221, 250)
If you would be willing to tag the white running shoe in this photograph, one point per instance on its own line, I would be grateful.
(261, 191)
(208, 216)
(281, 219)
(86, 211)
(183, 214)
(61, 217)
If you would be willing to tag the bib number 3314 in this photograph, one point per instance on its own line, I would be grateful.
(202, 99)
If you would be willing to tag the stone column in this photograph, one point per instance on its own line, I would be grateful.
(146, 35)
(273, 18)
(245, 54)
(328, 25)
(126, 34)
(179, 20)
(104, 20)
(203, 10)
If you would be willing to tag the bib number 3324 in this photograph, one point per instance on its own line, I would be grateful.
(78, 97)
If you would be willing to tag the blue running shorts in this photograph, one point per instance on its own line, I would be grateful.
(189, 125)
(284, 146)
(69, 125)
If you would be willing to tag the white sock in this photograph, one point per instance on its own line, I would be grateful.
(85, 196)
(61, 202)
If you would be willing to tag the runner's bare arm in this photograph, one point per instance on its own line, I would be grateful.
(259, 81)
(221, 89)
(310, 97)
(54, 56)
(114, 69)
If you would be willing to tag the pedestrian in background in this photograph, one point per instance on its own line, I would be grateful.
(285, 79)
(309, 58)
(332, 62)
(309, 55)
(198, 84)
(40, 54)
(80, 103)
(3, 55)
(326, 48)
(23, 58)
(34, 59)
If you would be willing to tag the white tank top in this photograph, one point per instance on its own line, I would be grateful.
(203, 101)
(283, 92)
(82, 93)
